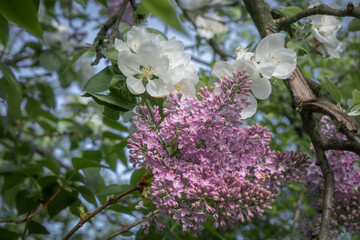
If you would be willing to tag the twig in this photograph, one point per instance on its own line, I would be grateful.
(43, 151)
(28, 217)
(128, 227)
(23, 237)
(200, 61)
(323, 9)
(355, 68)
(102, 33)
(121, 12)
(98, 210)
(297, 215)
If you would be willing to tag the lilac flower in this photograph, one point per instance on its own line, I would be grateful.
(204, 164)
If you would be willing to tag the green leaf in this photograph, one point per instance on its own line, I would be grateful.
(61, 201)
(37, 228)
(354, 25)
(81, 163)
(12, 89)
(164, 10)
(291, 10)
(100, 82)
(4, 30)
(103, 2)
(51, 164)
(110, 101)
(356, 97)
(111, 54)
(113, 189)
(50, 60)
(87, 194)
(8, 235)
(136, 176)
(76, 57)
(46, 94)
(114, 124)
(331, 88)
(111, 113)
(23, 13)
(82, 2)
(24, 202)
(212, 230)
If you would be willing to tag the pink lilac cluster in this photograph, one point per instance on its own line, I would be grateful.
(115, 5)
(346, 201)
(204, 164)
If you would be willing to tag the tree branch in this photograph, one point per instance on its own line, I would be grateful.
(28, 217)
(102, 33)
(102, 207)
(128, 227)
(322, 9)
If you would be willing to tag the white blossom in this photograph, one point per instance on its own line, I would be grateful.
(152, 63)
(210, 25)
(324, 28)
(60, 38)
(273, 59)
(146, 65)
(134, 38)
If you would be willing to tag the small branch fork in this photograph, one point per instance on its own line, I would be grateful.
(39, 210)
(113, 20)
(111, 201)
(128, 227)
(306, 102)
(322, 9)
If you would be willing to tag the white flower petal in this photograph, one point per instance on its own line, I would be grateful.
(222, 69)
(266, 67)
(135, 85)
(261, 88)
(286, 63)
(157, 88)
(149, 55)
(136, 36)
(251, 109)
(273, 41)
(129, 64)
(121, 46)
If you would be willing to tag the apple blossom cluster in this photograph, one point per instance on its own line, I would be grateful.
(155, 65)
(271, 58)
(204, 165)
(210, 25)
(60, 38)
(324, 28)
(346, 200)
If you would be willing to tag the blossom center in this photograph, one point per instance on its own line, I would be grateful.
(147, 72)
(274, 59)
(179, 87)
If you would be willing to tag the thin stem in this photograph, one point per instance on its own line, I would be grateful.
(102, 33)
(28, 217)
(322, 9)
(111, 201)
(128, 227)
